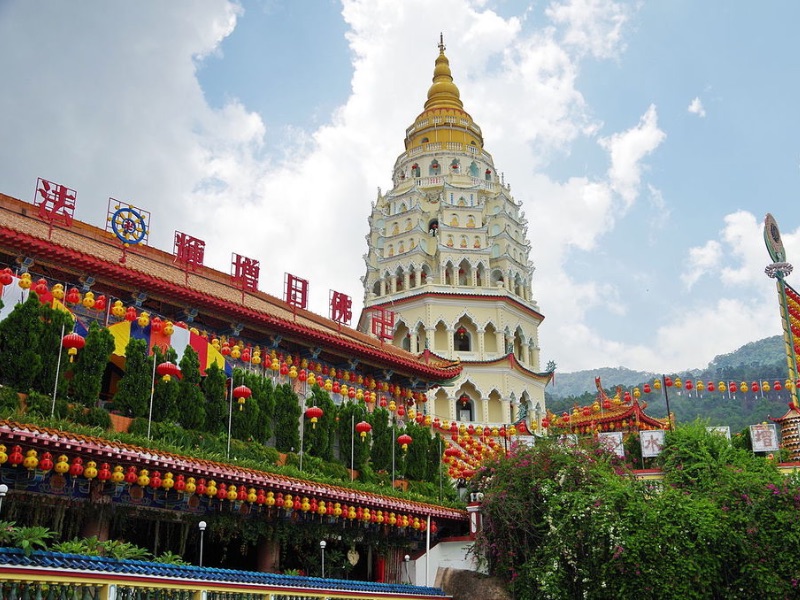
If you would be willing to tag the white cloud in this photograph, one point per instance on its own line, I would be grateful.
(696, 108)
(109, 104)
(701, 260)
(627, 149)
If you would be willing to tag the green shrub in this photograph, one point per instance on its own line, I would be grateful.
(9, 400)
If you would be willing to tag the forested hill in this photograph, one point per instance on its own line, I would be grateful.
(761, 361)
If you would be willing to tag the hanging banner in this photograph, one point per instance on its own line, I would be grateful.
(612, 441)
(652, 441)
(764, 437)
(724, 431)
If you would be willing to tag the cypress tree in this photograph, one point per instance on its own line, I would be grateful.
(133, 394)
(216, 405)
(191, 401)
(20, 362)
(287, 418)
(90, 364)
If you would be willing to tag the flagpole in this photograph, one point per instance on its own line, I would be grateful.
(58, 371)
(152, 391)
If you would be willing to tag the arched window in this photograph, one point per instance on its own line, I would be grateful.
(415, 171)
(462, 340)
(464, 408)
(435, 168)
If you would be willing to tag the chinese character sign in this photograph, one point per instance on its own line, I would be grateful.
(765, 438)
(341, 308)
(55, 202)
(652, 442)
(189, 250)
(383, 323)
(295, 291)
(612, 441)
(244, 271)
(722, 430)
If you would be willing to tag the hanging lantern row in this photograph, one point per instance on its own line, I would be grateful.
(211, 489)
(338, 381)
(722, 386)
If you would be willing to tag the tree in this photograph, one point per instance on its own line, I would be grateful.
(318, 438)
(264, 398)
(287, 417)
(54, 323)
(20, 362)
(216, 405)
(190, 401)
(417, 465)
(133, 394)
(573, 522)
(89, 366)
(382, 440)
(165, 391)
(350, 443)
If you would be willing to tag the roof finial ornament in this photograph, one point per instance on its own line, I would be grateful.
(441, 42)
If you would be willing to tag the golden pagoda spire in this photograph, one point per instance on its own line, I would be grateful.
(443, 93)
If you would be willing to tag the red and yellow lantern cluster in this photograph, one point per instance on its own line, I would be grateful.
(156, 480)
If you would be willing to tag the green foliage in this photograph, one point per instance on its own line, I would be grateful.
(287, 417)
(382, 439)
(42, 405)
(20, 331)
(216, 407)
(572, 522)
(171, 559)
(89, 366)
(264, 400)
(9, 400)
(124, 551)
(133, 394)
(165, 393)
(94, 417)
(319, 437)
(26, 538)
(350, 414)
(190, 401)
(54, 323)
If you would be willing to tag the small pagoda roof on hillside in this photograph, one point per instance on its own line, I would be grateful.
(623, 412)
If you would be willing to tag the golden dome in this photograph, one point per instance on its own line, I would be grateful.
(443, 93)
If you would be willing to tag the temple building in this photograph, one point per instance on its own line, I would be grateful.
(449, 267)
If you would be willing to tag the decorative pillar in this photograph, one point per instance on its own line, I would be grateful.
(481, 342)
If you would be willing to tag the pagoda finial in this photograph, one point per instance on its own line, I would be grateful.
(442, 47)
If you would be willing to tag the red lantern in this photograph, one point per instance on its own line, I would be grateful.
(156, 325)
(668, 381)
(242, 393)
(155, 480)
(15, 458)
(755, 387)
(41, 288)
(777, 386)
(314, 413)
(104, 474)
(401, 411)
(710, 387)
(180, 483)
(647, 388)
(75, 469)
(100, 303)
(46, 463)
(167, 370)
(131, 475)
(6, 276)
(73, 342)
(688, 385)
(404, 440)
(363, 428)
(73, 296)
(130, 314)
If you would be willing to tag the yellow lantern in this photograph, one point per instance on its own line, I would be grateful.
(722, 387)
(232, 493)
(143, 320)
(191, 486)
(118, 309)
(743, 386)
(118, 475)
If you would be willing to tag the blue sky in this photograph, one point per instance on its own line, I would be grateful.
(646, 141)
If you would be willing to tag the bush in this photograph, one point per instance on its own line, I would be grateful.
(42, 405)
(9, 400)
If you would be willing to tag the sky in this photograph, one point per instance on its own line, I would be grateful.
(645, 140)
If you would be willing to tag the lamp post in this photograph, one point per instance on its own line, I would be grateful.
(202, 527)
(407, 558)
(3, 492)
(322, 545)
(58, 368)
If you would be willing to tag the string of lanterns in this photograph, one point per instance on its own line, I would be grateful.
(347, 383)
(210, 489)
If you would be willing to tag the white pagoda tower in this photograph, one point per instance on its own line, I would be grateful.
(449, 257)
